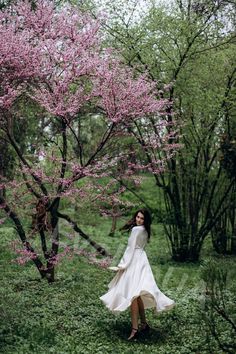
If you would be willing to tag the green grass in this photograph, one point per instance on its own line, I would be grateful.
(68, 316)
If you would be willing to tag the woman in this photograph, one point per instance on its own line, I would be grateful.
(134, 284)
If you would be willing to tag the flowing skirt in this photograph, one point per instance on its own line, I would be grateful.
(136, 280)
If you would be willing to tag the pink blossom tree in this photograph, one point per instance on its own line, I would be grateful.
(52, 59)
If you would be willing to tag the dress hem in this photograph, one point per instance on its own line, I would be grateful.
(145, 292)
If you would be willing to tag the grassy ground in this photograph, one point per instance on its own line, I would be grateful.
(68, 317)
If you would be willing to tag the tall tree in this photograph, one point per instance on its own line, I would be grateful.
(57, 63)
(191, 45)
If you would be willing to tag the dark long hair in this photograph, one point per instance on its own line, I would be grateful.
(147, 221)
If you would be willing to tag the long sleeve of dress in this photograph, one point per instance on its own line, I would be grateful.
(128, 254)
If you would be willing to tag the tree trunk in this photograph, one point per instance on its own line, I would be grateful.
(50, 275)
(186, 250)
(113, 226)
(224, 232)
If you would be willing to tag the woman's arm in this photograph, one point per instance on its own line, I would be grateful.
(128, 254)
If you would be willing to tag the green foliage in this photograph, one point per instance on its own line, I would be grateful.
(6, 235)
(219, 310)
(68, 317)
(180, 44)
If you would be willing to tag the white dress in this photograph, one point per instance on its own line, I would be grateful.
(135, 278)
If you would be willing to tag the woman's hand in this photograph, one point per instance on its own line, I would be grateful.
(114, 268)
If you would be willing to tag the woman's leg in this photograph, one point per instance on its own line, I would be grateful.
(134, 317)
(144, 325)
(141, 310)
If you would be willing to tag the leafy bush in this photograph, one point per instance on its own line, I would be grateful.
(219, 311)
